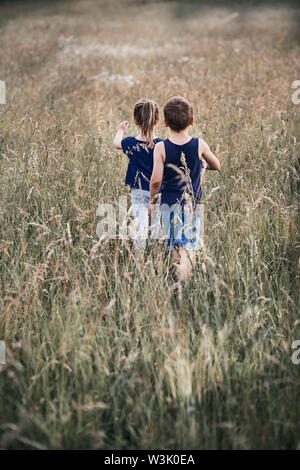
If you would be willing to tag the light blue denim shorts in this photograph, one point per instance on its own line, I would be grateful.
(183, 226)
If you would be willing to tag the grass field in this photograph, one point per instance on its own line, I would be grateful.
(99, 353)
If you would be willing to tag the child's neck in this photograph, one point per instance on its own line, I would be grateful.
(181, 137)
(141, 136)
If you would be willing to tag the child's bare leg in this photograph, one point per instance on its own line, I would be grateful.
(183, 261)
(192, 259)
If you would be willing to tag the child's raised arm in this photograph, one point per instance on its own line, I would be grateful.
(122, 127)
(212, 162)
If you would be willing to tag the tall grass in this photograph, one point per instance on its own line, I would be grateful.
(99, 353)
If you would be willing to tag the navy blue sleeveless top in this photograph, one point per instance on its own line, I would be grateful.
(140, 162)
(182, 172)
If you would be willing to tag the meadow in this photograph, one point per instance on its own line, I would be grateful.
(99, 353)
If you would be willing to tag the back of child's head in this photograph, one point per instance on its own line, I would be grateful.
(146, 116)
(178, 113)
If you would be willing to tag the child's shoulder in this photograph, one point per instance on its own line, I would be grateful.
(201, 144)
(129, 139)
(159, 143)
(131, 143)
(128, 143)
(199, 139)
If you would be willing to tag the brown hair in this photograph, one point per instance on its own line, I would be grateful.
(146, 116)
(178, 113)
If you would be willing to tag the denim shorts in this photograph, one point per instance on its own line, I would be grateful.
(183, 226)
(139, 206)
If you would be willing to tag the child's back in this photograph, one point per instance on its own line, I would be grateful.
(182, 171)
(140, 164)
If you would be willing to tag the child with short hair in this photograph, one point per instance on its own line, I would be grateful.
(139, 150)
(177, 172)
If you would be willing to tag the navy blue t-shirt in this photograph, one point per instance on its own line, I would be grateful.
(140, 164)
(182, 172)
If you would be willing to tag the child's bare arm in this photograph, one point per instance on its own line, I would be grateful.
(158, 171)
(211, 161)
(119, 134)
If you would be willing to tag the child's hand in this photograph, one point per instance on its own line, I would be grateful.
(123, 126)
